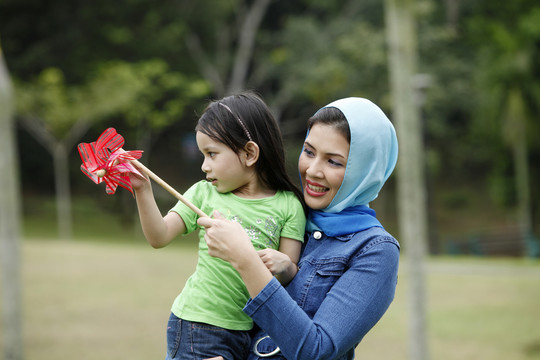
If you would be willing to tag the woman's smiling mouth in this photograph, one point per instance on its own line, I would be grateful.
(315, 189)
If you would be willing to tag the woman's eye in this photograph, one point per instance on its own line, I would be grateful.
(335, 163)
(308, 152)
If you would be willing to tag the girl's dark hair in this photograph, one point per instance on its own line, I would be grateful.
(237, 119)
(333, 117)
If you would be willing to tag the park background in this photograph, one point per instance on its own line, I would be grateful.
(92, 289)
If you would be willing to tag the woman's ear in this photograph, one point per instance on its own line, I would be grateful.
(251, 153)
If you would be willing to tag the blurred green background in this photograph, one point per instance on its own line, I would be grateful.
(148, 69)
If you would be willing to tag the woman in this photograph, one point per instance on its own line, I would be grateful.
(347, 272)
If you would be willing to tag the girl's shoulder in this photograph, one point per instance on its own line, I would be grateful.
(201, 185)
(288, 197)
(286, 193)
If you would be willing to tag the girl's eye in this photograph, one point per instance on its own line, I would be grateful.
(211, 154)
(308, 152)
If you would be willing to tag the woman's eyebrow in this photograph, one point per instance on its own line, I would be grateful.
(328, 154)
(308, 144)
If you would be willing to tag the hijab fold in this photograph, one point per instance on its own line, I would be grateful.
(347, 221)
(372, 158)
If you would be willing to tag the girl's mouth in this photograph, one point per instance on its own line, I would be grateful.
(315, 189)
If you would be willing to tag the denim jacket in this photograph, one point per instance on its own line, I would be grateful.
(343, 287)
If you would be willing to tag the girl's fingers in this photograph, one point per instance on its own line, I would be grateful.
(208, 222)
(205, 222)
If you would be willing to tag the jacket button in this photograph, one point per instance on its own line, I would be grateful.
(317, 235)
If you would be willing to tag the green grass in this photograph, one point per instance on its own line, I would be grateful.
(106, 294)
(477, 308)
(100, 300)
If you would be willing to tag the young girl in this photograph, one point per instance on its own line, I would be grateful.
(348, 268)
(247, 183)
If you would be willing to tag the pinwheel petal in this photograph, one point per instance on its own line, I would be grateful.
(108, 142)
(111, 184)
(124, 182)
(117, 179)
(130, 155)
(88, 156)
(126, 168)
(91, 174)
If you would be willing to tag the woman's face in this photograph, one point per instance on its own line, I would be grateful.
(322, 165)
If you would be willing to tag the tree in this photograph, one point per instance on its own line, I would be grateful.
(9, 225)
(58, 115)
(510, 97)
(147, 94)
(227, 66)
(412, 216)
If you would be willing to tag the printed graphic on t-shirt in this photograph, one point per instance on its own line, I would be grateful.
(261, 240)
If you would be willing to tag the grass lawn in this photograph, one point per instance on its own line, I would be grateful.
(97, 300)
(477, 309)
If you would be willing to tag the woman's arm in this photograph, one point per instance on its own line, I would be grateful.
(354, 304)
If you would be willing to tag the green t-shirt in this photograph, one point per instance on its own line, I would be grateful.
(215, 293)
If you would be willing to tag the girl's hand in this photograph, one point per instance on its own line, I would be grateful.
(226, 239)
(277, 262)
(139, 183)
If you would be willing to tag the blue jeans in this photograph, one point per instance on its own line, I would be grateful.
(188, 340)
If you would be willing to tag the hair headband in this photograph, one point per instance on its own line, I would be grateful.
(246, 131)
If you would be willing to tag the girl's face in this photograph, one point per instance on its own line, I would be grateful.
(221, 164)
(322, 165)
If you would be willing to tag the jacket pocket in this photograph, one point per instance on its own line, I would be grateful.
(325, 276)
(331, 269)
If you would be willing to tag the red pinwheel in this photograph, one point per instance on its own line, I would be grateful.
(105, 160)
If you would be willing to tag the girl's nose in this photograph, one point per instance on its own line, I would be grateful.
(204, 167)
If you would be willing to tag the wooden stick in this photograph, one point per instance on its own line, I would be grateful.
(167, 187)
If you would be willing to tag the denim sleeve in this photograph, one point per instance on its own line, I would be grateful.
(349, 310)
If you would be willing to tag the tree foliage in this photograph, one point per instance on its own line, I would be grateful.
(152, 67)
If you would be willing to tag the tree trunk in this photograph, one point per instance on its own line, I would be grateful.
(244, 52)
(63, 193)
(243, 55)
(9, 225)
(401, 38)
(516, 134)
(59, 150)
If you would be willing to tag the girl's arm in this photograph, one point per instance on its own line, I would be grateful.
(283, 263)
(159, 230)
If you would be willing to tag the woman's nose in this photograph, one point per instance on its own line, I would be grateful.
(314, 169)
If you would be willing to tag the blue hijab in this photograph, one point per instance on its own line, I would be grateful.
(372, 158)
